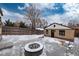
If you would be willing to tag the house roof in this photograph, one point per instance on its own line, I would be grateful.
(76, 27)
(57, 26)
(1, 12)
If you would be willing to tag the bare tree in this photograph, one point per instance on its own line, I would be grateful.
(33, 14)
(73, 23)
(44, 23)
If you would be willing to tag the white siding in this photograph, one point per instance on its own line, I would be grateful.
(57, 27)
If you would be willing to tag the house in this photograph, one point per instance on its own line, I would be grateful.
(76, 28)
(1, 14)
(59, 31)
(17, 24)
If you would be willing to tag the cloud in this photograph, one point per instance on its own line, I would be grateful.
(56, 19)
(40, 6)
(71, 13)
(14, 17)
(71, 7)
(11, 15)
(21, 8)
(25, 5)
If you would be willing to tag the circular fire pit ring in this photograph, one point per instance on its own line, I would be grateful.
(33, 49)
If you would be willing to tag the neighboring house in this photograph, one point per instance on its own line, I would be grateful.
(17, 24)
(76, 28)
(59, 31)
(1, 14)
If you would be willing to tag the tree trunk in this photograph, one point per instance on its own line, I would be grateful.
(33, 24)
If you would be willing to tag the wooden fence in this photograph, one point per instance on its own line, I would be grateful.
(19, 31)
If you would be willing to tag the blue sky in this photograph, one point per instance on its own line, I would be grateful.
(14, 8)
(52, 12)
(11, 6)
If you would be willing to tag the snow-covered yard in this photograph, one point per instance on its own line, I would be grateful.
(52, 46)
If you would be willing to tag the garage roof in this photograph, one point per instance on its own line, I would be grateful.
(57, 26)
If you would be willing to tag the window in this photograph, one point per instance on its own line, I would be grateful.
(54, 25)
(46, 31)
(62, 32)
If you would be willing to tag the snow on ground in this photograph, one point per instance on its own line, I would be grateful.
(39, 29)
(52, 46)
(49, 39)
(15, 38)
(76, 41)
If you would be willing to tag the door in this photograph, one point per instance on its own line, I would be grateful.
(52, 33)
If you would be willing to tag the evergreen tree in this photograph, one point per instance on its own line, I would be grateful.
(8, 23)
(22, 24)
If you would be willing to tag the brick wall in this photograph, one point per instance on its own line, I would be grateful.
(19, 31)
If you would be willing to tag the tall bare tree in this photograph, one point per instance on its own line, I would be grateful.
(44, 23)
(33, 14)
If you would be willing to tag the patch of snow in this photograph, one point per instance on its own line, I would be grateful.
(71, 46)
(76, 41)
(15, 38)
(51, 45)
(67, 42)
(39, 29)
(49, 39)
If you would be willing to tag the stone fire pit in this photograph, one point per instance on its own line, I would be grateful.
(33, 49)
